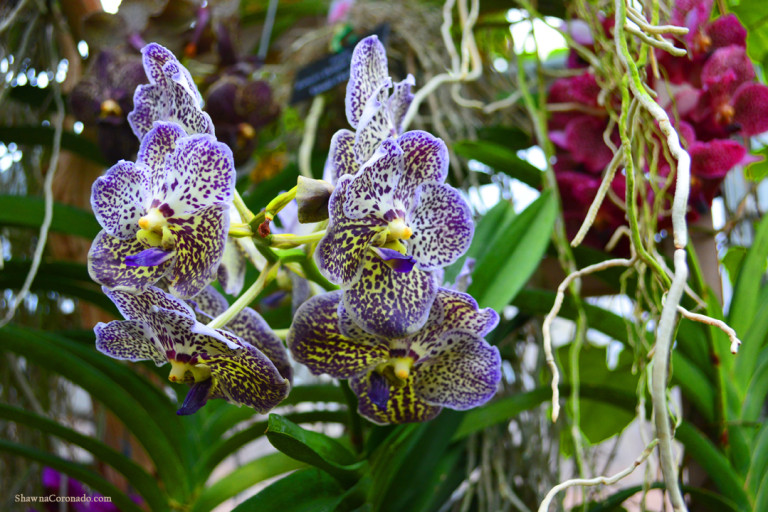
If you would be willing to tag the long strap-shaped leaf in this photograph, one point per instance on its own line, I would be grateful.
(39, 349)
(27, 211)
(76, 471)
(140, 480)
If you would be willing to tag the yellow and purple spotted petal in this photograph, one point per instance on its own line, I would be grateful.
(386, 302)
(217, 363)
(118, 199)
(247, 378)
(316, 340)
(465, 374)
(171, 95)
(340, 252)
(107, 264)
(208, 304)
(384, 403)
(200, 237)
(252, 328)
(368, 70)
(451, 311)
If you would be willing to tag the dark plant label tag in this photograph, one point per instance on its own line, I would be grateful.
(326, 73)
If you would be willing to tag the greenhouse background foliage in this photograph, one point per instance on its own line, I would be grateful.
(298, 255)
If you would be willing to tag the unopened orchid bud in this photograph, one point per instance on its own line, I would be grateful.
(312, 199)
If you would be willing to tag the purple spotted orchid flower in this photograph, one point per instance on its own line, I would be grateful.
(390, 226)
(401, 380)
(371, 110)
(215, 362)
(166, 215)
(170, 96)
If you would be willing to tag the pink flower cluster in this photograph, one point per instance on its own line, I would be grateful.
(712, 92)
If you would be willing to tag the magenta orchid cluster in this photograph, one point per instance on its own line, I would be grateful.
(165, 220)
(408, 346)
(712, 93)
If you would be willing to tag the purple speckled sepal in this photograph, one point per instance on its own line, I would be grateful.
(118, 199)
(315, 340)
(107, 264)
(368, 70)
(171, 96)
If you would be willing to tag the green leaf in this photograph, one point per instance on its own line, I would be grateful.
(314, 448)
(601, 420)
(694, 384)
(501, 159)
(37, 348)
(27, 211)
(393, 475)
(759, 464)
(714, 463)
(515, 254)
(732, 261)
(703, 496)
(754, 400)
(486, 231)
(243, 478)
(502, 410)
(76, 471)
(140, 480)
(744, 303)
(306, 490)
(223, 448)
(753, 341)
(43, 136)
(67, 278)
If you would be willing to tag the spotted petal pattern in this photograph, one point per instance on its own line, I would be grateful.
(252, 328)
(128, 340)
(425, 160)
(171, 96)
(340, 252)
(403, 405)
(138, 306)
(107, 265)
(341, 156)
(248, 378)
(442, 227)
(118, 198)
(368, 70)
(316, 340)
(200, 238)
(157, 145)
(465, 375)
(371, 191)
(389, 303)
(199, 172)
(231, 272)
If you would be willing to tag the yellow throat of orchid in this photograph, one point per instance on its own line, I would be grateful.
(154, 230)
(397, 370)
(397, 230)
(186, 372)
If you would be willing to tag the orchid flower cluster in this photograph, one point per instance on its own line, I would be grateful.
(173, 223)
(711, 91)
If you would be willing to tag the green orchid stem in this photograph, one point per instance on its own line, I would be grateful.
(245, 213)
(272, 209)
(296, 239)
(355, 425)
(267, 275)
(238, 230)
(313, 274)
